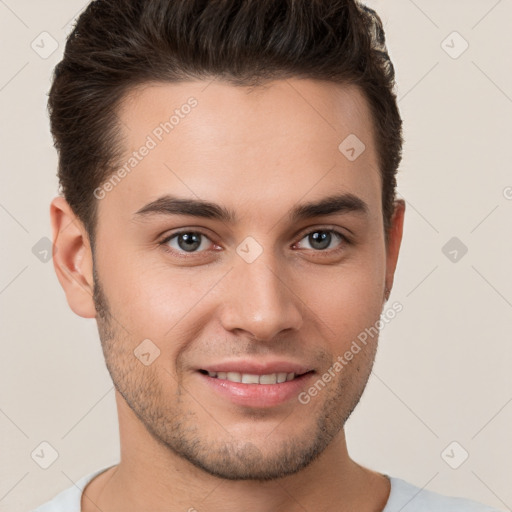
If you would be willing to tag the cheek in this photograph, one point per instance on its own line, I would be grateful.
(347, 299)
(154, 300)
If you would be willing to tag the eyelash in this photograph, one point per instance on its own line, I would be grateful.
(343, 239)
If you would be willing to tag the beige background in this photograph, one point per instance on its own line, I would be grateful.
(443, 368)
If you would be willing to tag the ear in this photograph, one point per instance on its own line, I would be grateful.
(394, 241)
(72, 258)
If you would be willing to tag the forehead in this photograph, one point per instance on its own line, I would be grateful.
(278, 142)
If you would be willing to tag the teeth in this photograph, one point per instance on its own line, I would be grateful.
(234, 376)
(249, 378)
(268, 379)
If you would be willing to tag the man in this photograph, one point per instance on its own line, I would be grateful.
(229, 218)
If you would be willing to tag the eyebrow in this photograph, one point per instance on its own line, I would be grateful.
(171, 205)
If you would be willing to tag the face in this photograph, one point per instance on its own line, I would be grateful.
(273, 279)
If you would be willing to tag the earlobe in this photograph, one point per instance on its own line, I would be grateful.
(72, 258)
(394, 242)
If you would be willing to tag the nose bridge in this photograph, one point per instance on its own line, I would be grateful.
(260, 301)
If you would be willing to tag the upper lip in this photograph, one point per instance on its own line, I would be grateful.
(257, 367)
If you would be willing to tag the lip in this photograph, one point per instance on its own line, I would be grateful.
(257, 395)
(258, 367)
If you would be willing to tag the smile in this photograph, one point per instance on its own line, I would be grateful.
(250, 378)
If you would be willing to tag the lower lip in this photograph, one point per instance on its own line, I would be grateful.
(258, 395)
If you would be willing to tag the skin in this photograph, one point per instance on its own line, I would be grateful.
(259, 152)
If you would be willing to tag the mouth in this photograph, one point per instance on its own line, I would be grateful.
(255, 387)
(252, 378)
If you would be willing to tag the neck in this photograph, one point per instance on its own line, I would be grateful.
(150, 477)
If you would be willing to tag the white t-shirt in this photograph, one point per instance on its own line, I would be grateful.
(404, 497)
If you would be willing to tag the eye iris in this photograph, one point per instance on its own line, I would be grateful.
(323, 238)
(189, 241)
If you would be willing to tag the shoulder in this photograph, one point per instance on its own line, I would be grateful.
(406, 497)
(70, 499)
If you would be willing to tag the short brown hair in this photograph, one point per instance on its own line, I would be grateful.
(119, 44)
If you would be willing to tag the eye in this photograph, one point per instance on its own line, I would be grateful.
(186, 242)
(194, 242)
(321, 239)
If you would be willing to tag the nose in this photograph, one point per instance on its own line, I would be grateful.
(260, 300)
